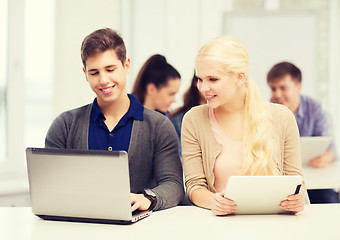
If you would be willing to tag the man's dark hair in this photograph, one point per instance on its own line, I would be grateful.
(282, 69)
(100, 41)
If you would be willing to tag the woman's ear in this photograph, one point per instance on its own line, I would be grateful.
(241, 79)
(151, 89)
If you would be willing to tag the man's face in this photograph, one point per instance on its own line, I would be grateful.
(286, 91)
(107, 76)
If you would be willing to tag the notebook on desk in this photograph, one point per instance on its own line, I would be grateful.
(312, 147)
(261, 194)
(80, 185)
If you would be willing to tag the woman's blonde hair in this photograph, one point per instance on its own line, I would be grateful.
(230, 57)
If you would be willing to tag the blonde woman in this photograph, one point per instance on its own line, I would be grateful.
(236, 132)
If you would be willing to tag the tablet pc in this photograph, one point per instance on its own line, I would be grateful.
(261, 194)
(312, 147)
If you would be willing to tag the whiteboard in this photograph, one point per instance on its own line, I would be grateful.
(272, 37)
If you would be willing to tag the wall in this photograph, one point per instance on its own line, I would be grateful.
(74, 21)
(178, 28)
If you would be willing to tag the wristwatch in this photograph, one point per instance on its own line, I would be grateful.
(149, 194)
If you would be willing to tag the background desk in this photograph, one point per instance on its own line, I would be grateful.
(189, 222)
(320, 178)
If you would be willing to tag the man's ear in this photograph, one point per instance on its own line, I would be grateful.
(127, 65)
(299, 85)
(151, 89)
(84, 70)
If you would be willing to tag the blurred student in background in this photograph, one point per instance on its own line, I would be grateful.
(157, 84)
(284, 80)
(192, 97)
(236, 133)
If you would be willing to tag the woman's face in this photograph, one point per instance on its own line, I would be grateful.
(202, 99)
(164, 96)
(218, 88)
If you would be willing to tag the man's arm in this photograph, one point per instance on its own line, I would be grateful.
(323, 160)
(322, 128)
(167, 167)
(56, 135)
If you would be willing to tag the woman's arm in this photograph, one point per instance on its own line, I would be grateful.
(216, 202)
(292, 163)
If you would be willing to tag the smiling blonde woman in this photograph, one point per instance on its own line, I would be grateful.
(237, 132)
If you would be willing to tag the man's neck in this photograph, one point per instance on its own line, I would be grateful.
(115, 109)
(295, 107)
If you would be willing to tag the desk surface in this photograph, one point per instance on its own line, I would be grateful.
(189, 222)
(319, 178)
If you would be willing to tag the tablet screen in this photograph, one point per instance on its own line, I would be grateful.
(261, 194)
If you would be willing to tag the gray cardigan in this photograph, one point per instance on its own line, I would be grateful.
(154, 160)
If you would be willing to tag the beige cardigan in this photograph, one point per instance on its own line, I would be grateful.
(200, 148)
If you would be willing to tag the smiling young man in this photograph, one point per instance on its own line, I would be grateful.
(284, 80)
(118, 121)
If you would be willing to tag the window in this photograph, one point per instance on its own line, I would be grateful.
(26, 78)
(3, 79)
(39, 70)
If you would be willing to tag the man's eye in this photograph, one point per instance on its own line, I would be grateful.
(93, 73)
(110, 70)
(213, 79)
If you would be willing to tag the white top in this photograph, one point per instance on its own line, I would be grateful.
(315, 222)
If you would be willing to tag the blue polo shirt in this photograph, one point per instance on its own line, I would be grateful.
(100, 138)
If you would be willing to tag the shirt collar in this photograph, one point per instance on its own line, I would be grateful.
(96, 112)
(135, 111)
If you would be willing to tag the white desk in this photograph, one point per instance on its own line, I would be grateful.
(319, 178)
(315, 222)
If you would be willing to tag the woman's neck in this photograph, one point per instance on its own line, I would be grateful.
(235, 106)
(148, 103)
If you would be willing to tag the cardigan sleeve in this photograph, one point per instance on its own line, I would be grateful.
(167, 167)
(56, 136)
(292, 164)
(292, 158)
(192, 156)
(70, 129)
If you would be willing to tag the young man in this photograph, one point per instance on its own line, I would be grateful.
(118, 121)
(284, 80)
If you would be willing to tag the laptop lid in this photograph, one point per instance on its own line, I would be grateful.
(261, 194)
(312, 147)
(79, 185)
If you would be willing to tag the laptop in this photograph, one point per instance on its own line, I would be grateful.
(312, 147)
(81, 186)
(261, 194)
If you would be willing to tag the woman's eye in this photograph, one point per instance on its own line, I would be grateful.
(213, 79)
